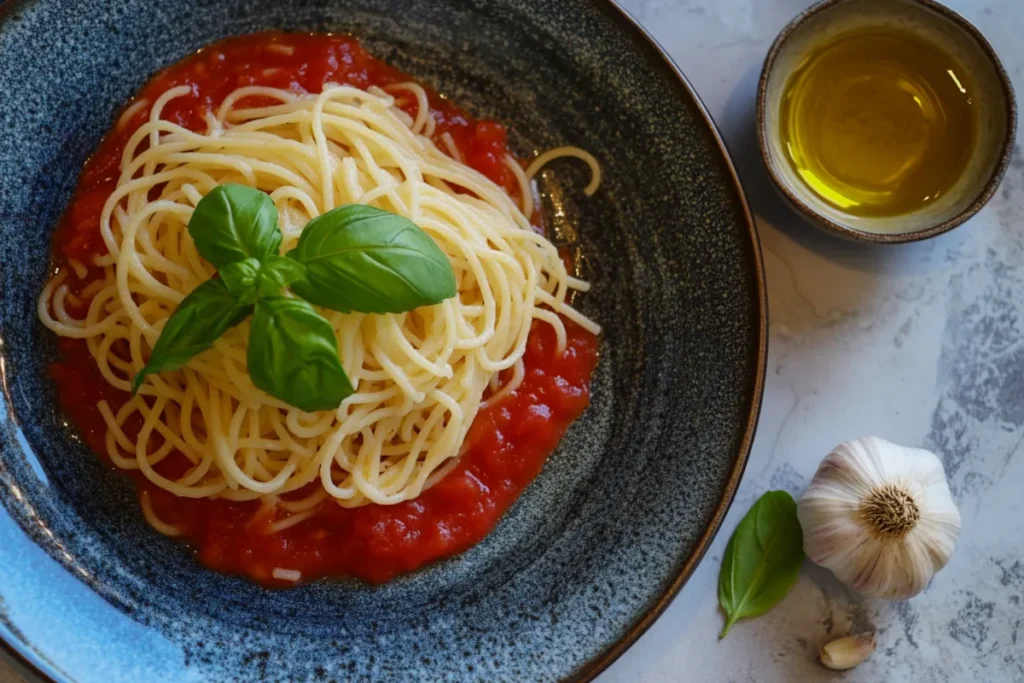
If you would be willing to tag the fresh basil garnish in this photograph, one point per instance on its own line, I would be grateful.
(293, 355)
(359, 258)
(200, 319)
(276, 273)
(240, 278)
(354, 258)
(235, 222)
(762, 559)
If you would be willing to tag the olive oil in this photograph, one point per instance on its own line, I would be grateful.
(878, 122)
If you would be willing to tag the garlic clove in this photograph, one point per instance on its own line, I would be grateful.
(848, 652)
(880, 517)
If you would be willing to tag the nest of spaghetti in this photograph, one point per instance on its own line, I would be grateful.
(420, 377)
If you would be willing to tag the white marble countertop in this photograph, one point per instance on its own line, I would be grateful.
(921, 344)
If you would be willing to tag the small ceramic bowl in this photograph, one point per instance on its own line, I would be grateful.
(931, 21)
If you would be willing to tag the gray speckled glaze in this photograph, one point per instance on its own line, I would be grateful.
(623, 510)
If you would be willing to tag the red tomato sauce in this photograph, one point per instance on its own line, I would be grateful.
(507, 444)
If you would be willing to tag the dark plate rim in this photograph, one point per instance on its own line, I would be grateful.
(647, 619)
(29, 661)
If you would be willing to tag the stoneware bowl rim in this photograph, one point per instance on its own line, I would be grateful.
(846, 232)
(30, 662)
(645, 621)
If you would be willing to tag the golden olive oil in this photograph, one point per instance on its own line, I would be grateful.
(878, 122)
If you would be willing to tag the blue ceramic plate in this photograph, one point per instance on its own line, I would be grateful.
(608, 533)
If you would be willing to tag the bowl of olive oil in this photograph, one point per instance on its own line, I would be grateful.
(885, 120)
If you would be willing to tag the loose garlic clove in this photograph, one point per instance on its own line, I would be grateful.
(846, 653)
(880, 517)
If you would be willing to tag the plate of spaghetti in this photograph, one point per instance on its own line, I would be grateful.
(359, 340)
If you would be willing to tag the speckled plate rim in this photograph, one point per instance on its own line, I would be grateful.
(686, 569)
(27, 660)
(849, 233)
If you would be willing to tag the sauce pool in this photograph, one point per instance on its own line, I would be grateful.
(508, 442)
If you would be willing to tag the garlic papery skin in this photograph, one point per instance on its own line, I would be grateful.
(848, 652)
(880, 516)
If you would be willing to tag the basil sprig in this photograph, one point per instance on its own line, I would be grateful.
(234, 222)
(762, 559)
(374, 265)
(354, 258)
(298, 352)
(200, 319)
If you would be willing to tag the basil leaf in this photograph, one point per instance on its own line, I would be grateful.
(276, 273)
(359, 258)
(293, 355)
(200, 319)
(762, 559)
(235, 222)
(240, 278)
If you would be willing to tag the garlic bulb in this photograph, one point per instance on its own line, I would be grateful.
(880, 516)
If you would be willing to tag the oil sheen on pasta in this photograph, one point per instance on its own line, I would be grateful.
(878, 122)
(507, 444)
